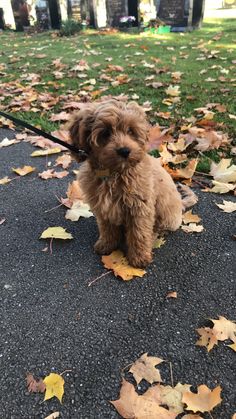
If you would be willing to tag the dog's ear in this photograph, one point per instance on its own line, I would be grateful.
(137, 109)
(80, 128)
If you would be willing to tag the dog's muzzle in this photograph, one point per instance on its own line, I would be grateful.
(123, 152)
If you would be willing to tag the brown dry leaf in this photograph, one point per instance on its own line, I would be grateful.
(5, 180)
(119, 264)
(62, 116)
(227, 206)
(188, 217)
(204, 401)
(6, 142)
(191, 417)
(172, 294)
(50, 173)
(35, 386)
(132, 406)
(207, 338)
(169, 396)
(144, 369)
(64, 160)
(223, 172)
(192, 228)
(22, 171)
(74, 192)
(224, 329)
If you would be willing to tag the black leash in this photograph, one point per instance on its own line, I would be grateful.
(38, 131)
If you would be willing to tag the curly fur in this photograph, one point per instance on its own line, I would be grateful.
(133, 193)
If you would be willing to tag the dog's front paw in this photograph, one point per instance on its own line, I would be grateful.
(102, 247)
(139, 261)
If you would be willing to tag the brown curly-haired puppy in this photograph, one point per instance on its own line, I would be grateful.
(125, 187)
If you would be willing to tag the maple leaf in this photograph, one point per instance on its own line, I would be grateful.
(5, 180)
(169, 396)
(224, 329)
(159, 242)
(35, 386)
(54, 386)
(132, 406)
(173, 91)
(188, 217)
(232, 346)
(64, 160)
(223, 172)
(204, 401)
(191, 417)
(119, 264)
(207, 338)
(74, 192)
(144, 369)
(50, 173)
(172, 294)
(22, 171)
(46, 152)
(227, 206)
(220, 187)
(55, 233)
(6, 142)
(78, 209)
(192, 228)
(189, 170)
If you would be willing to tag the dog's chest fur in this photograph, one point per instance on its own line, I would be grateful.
(115, 198)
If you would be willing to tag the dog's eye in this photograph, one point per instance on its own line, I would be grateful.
(104, 136)
(130, 131)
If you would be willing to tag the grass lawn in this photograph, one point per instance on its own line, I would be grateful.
(205, 58)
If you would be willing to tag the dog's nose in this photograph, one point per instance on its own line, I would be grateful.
(124, 151)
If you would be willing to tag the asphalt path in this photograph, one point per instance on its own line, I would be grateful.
(52, 321)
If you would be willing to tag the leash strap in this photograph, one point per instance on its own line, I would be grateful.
(43, 134)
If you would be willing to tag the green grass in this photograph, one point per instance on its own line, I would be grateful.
(94, 47)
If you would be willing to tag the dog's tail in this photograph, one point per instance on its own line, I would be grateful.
(189, 198)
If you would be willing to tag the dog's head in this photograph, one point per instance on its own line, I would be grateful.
(112, 133)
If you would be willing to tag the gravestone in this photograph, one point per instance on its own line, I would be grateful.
(181, 14)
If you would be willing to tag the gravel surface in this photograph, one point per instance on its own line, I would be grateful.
(51, 321)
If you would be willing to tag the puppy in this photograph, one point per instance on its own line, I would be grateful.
(126, 188)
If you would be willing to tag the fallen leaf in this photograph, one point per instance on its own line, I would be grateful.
(119, 264)
(50, 174)
(159, 242)
(223, 172)
(53, 415)
(232, 346)
(78, 209)
(132, 406)
(204, 401)
(144, 369)
(227, 206)
(188, 217)
(5, 180)
(221, 187)
(64, 160)
(54, 386)
(22, 171)
(35, 386)
(2, 220)
(173, 91)
(56, 233)
(191, 417)
(192, 228)
(172, 294)
(189, 170)
(207, 338)
(46, 152)
(224, 329)
(6, 142)
(168, 396)
(74, 192)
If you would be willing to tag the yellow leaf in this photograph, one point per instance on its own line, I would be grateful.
(204, 401)
(5, 180)
(192, 228)
(55, 233)
(169, 396)
(233, 346)
(22, 171)
(189, 170)
(54, 386)
(224, 328)
(221, 187)
(159, 242)
(53, 415)
(144, 368)
(119, 264)
(46, 152)
(173, 91)
(227, 206)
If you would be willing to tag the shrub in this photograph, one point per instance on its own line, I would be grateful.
(70, 27)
